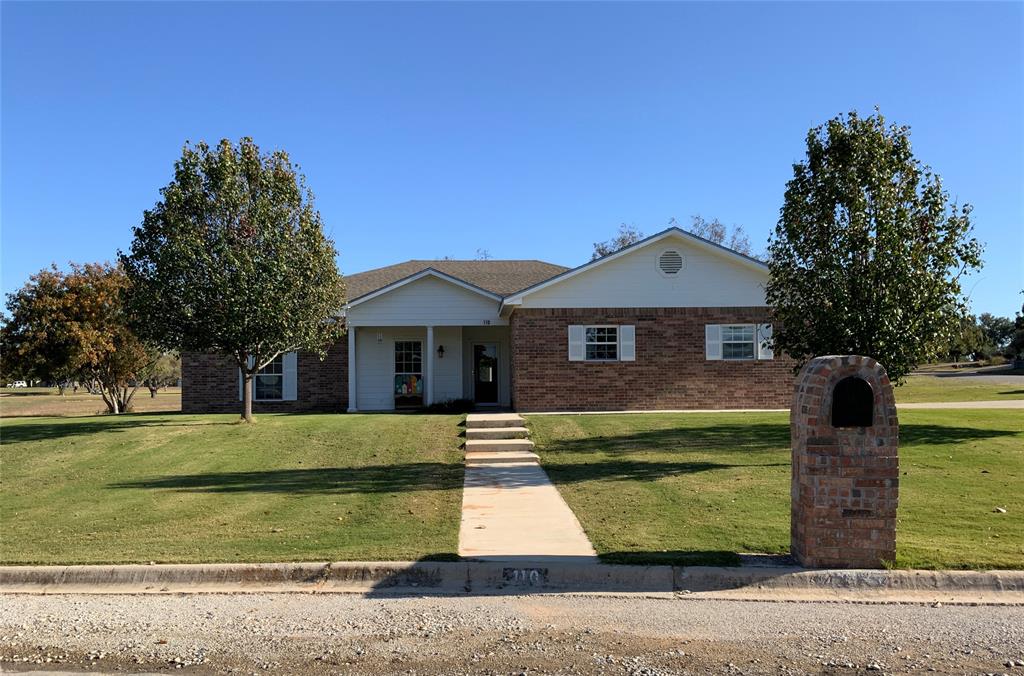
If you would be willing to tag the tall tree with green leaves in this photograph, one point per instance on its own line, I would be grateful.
(998, 330)
(234, 260)
(869, 250)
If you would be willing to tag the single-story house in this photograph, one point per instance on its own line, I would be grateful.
(671, 322)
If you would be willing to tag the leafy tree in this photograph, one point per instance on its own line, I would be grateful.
(628, 234)
(716, 231)
(74, 326)
(233, 259)
(998, 330)
(868, 251)
(166, 372)
(1016, 346)
(969, 341)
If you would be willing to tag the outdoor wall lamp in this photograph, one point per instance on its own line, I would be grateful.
(440, 351)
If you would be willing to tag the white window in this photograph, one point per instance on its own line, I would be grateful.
(602, 343)
(738, 341)
(408, 373)
(277, 381)
(268, 384)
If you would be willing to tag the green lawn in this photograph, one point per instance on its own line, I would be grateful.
(698, 488)
(47, 401)
(921, 388)
(180, 488)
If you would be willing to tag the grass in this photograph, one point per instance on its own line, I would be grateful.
(699, 488)
(180, 488)
(45, 401)
(923, 388)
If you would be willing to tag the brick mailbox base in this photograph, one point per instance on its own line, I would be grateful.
(845, 435)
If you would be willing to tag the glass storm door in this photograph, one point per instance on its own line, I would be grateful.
(485, 373)
(408, 373)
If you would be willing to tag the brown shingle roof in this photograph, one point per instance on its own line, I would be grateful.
(500, 277)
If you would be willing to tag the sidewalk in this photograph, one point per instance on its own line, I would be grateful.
(512, 511)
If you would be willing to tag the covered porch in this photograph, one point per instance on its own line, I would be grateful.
(410, 367)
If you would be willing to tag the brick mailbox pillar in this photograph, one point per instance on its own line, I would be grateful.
(845, 488)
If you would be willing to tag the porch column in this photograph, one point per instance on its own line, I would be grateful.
(428, 391)
(352, 408)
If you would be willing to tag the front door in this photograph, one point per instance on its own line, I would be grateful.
(485, 373)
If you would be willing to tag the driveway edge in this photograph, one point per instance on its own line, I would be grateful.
(522, 577)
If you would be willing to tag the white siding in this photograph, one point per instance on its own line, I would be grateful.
(708, 279)
(375, 365)
(426, 301)
(448, 369)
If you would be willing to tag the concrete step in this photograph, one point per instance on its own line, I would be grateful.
(478, 420)
(497, 433)
(496, 445)
(500, 457)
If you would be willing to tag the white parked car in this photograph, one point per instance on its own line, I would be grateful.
(18, 383)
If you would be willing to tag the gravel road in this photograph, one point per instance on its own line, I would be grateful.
(329, 633)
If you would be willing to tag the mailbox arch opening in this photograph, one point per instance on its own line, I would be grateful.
(853, 403)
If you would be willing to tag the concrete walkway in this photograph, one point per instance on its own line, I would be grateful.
(511, 510)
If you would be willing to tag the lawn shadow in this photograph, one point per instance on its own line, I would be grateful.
(736, 438)
(35, 430)
(913, 434)
(626, 470)
(730, 437)
(423, 476)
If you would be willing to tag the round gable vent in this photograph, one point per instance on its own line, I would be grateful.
(670, 262)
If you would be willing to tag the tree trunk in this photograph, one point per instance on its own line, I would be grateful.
(247, 397)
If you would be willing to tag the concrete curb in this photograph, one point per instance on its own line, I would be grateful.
(520, 577)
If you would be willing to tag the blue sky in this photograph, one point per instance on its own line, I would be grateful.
(529, 130)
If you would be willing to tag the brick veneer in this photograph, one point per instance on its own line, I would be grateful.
(209, 384)
(845, 484)
(670, 370)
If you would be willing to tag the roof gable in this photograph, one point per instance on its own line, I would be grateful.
(500, 277)
(428, 272)
(714, 256)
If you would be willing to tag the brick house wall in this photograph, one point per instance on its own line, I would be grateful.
(670, 371)
(209, 384)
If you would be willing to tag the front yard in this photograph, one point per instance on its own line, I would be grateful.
(926, 388)
(698, 488)
(179, 488)
(657, 488)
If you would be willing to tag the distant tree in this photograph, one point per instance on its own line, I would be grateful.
(166, 372)
(628, 234)
(483, 255)
(66, 327)
(868, 252)
(234, 260)
(999, 330)
(1016, 346)
(715, 231)
(969, 341)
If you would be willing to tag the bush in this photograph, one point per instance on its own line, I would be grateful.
(452, 406)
